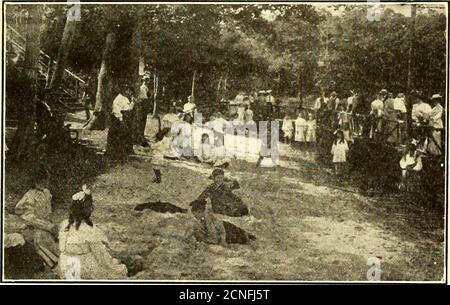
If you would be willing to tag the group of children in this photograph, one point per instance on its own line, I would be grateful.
(302, 130)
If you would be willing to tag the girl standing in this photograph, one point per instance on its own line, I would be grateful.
(287, 128)
(339, 151)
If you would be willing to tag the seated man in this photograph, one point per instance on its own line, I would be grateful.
(220, 193)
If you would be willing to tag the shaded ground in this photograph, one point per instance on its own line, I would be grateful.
(306, 229)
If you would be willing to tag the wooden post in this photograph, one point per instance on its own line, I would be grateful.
(193, 85)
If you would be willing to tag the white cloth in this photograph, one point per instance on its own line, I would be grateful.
(241, 113)
(377, 107)
(287, 128)
(408, 160)
(399, 104)
(311, 131)
(143, 92)
(248, 115)
(35, 207)
(436, 117)
(420, 110)
(121, 103)
(317, 103)
(189, 107)
(84, 253)
(339, 151)
(300, 129)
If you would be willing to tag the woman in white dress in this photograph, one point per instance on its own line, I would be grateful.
(84, 252)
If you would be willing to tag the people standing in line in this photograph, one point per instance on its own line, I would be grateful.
(269, 98)
(420, 112)
(436, 126)
(119, 140)
(339, 152)
(333, 101)
(376, 114)
(300, 128)
(311, 129)
(190, 106)
(288, 129)
(390, 115)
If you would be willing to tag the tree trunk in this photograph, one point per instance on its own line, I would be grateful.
(103, 101)
(63, 53)
(136, 47)
(155, 95)
(23, 138)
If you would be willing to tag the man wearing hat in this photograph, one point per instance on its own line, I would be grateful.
(269, 98)
(190, 106)
(436, 124)
(220, 193)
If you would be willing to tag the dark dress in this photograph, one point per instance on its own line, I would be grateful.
(119, 140)
(223, 200)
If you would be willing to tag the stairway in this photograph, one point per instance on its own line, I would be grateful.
(71, 83)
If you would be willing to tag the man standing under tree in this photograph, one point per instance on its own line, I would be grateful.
(141, 111)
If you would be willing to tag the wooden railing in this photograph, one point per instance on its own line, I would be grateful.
(71, 82)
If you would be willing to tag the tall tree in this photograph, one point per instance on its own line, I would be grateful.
(63, 53)
(104, 84)
(27, 113)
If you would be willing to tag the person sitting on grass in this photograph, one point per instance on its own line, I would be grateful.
(205, 152)
(209, 229)
(35, 209)
(84, 252)
(220, 193)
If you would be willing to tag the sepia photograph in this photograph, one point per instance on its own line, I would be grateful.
(256, 142)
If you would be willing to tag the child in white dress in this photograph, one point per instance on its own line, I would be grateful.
(300, 129)
(84, 251)
(311, 129)
(339, 151)
(287, 128)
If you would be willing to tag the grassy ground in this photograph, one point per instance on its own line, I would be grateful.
(306, 229)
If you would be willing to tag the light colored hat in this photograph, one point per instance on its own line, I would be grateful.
(436, 96)
(383, 91)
